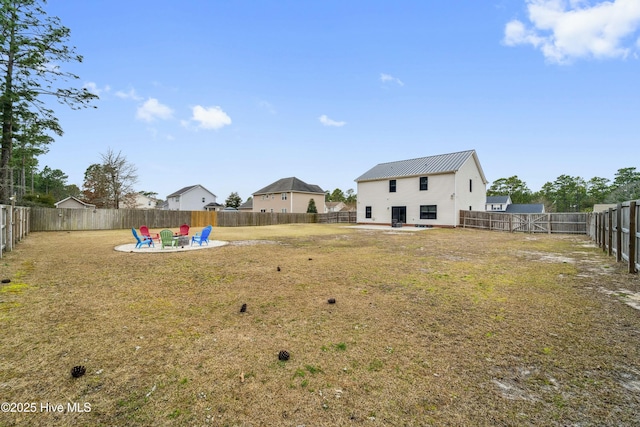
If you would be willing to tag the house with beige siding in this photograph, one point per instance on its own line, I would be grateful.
(288, 195)
(427, 191)
(73, 203)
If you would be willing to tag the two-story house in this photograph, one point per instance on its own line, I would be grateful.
(192, 198)
(288, 195)
(427, 191)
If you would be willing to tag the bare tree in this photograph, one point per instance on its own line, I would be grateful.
(120, 175)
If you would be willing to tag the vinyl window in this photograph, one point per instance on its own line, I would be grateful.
(424, 183)
(428, 212)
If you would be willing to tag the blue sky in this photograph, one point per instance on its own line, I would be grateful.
(234, 95)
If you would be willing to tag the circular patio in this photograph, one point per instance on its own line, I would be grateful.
(131, 247)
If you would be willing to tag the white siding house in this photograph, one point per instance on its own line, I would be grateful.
(192, 198)
(427, 191)
(497, 203)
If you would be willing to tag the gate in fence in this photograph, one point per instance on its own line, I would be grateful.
(563, 223)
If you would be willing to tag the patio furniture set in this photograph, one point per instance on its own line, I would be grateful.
(169, 239)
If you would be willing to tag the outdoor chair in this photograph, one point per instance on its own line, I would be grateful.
(184, 230)
(144, 241)
(202, 237)
(167, 239)
(144, 231)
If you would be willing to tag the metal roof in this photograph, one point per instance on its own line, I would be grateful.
(290, 184)
(442, 163)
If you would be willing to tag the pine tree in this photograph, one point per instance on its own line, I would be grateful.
(311, 207)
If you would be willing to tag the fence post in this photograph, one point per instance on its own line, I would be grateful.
(619, 233)
(610, 249)
(603, 230)
(632, 237)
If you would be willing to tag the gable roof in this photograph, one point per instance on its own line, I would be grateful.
(525, 208)
(246, 205)
(441, 163)
(497, 199)
(291, 184)
(184, 190)
(88, 205)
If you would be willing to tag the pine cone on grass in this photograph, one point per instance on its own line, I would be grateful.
(283, 355)
(78, 371)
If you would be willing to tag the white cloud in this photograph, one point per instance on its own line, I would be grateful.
(209, 117)
(326, 121)
(567, 30)
(152, 110)
(131, 94)
(94, 89)
(384, 78)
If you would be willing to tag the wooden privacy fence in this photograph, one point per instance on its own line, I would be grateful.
(617, 232)
(338, 217)
(565, 223)
(14, 226)
(244, 219)
(48, 219)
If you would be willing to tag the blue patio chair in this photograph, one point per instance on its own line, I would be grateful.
(144, 241)
(202, 237)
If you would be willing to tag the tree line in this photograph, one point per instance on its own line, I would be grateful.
(572, 193)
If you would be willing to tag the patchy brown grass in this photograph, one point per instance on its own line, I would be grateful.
(433, 327)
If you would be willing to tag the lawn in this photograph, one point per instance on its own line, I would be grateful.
(442, 327)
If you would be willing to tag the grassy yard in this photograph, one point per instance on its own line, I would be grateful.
(443, 327)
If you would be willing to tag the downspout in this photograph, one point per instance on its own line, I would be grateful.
(291, 203)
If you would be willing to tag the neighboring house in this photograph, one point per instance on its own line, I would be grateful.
(529, 208)
(334, 207)
(73, 203)
(139, 201)
(604, 207)
(497, 203)
(503, 204)
(424, 191)
(192, 198)
(145, 202)
(246, 206)
(288, 195)
(214, 206)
